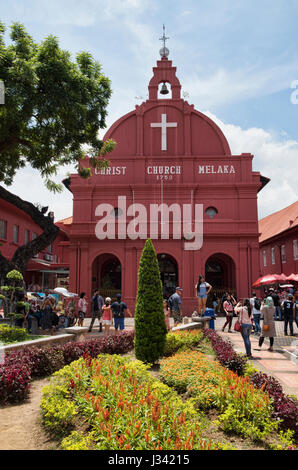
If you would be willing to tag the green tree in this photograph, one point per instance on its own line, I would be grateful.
(53, 106)
(150, 327)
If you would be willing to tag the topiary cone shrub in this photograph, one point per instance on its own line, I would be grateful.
(150, 327)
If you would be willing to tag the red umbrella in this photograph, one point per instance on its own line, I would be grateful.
(268, 279)
(293, 277)
(282, 277)
(257, 282)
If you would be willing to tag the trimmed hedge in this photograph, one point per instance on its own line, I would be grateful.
(21, 366)
(225, 353)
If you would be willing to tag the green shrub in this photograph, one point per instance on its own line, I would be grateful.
(150, 327)
(10, 334)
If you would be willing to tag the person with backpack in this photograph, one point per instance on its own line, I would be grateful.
(256, 312)
(97, 303)
(175, 304)
(119, 308)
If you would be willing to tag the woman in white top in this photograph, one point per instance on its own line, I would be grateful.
(245, 321)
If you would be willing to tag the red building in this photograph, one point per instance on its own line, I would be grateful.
(49, 268)
(279, 241)
(167, 153)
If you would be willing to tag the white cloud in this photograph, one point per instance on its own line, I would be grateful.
(228, 86)
(275, 159)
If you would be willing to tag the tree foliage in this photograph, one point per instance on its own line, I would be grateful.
(54, 108)
(53, 105)
(150, 327)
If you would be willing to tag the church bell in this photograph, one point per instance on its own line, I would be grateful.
(164, 90)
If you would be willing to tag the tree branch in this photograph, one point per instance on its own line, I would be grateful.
(24, 253)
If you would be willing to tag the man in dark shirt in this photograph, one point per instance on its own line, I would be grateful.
(289, 314)
(96, 306)
(276, 301)
(119, 309)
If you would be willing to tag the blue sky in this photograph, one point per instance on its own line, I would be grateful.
(235, 59)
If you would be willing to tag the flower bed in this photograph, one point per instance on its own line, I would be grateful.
(243, 409)
(122, 407)
(285, 407)
(21, 366)
(186, 340)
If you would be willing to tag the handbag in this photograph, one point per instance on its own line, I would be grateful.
(237, 326)
(266, 327)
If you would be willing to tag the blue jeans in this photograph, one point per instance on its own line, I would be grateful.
(119, 323)
(257, 317)
(277, 312)
(245, 332)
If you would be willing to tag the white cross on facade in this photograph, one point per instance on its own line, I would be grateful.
(164, 124)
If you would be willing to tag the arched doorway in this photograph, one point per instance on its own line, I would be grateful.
(220, 272)
(169, 273)
(106, 275)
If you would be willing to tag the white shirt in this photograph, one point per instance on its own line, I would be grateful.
(252, 303)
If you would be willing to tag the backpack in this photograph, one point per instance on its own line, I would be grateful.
(118, 310)
(257, 304)
(170, 303)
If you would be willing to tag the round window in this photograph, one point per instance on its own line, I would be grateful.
(211, 212)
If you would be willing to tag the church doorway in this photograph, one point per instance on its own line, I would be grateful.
(106, 275)
(169, 273)
(220, 272)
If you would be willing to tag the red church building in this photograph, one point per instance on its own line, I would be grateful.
(167, 153)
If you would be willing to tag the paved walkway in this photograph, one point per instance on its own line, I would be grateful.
(277, 363)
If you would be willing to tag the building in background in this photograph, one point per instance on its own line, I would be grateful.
(279, 241)
(48, 269)
(168, 153)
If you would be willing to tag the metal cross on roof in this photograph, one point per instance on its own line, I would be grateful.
(163, 38)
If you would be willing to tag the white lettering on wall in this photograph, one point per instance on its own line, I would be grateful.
(111, 171)
(216, 169)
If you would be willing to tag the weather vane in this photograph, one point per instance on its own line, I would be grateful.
(164, 51)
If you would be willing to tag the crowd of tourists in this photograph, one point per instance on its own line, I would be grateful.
(48, 312)
(273, 306)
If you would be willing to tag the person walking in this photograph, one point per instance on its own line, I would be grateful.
(245, 321)
(289, 314)
(119, 308)
(268, 327)
(228, 307)
(82, 307)
(256, 312)
(97, 303)
(107, 315)
(276, 299)
(202, 289)
(175, 304)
